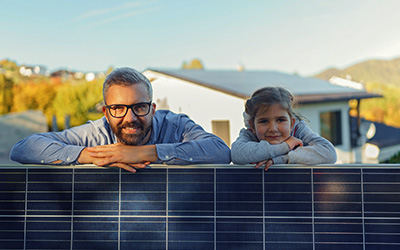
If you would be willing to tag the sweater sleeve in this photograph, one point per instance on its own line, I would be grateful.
(315, 149)
(247, 149)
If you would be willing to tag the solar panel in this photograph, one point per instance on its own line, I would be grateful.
(200, 207)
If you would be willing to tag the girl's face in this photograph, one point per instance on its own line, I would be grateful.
(273, 124)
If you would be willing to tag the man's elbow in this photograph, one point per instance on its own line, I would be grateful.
(224, 156)
(15, 155)
(21, 154)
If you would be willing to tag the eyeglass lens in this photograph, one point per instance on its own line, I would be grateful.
(139, 109)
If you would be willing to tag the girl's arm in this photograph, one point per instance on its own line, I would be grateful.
(247, 149)
(316, 149)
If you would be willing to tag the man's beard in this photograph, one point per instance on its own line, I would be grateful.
(132, 139)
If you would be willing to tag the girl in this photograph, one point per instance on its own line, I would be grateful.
(276, 135)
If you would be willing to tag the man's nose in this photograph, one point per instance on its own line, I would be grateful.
(130, 116)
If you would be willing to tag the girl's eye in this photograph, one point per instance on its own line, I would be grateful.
(282, 119)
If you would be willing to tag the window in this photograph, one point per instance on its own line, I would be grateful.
(222, 130)
(331, 126)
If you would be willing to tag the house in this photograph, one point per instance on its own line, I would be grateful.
(215, 99)
(33, 70)
(67, 75)
(381, 141)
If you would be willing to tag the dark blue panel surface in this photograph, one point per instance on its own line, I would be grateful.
(200, 208)
(190, 183)
(240, 232)
(143, 232)
(12, 193)
(239, 192)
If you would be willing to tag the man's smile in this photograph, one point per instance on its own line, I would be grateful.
(130, 130)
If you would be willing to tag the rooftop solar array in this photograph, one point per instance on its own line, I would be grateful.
(209, 207)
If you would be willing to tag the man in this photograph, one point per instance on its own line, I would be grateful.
(130, 135)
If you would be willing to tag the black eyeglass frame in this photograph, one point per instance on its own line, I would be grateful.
(129, 107)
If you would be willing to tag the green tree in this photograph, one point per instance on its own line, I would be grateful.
(6, 94)
(395, 158)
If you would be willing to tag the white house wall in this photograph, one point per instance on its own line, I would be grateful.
(201, 104)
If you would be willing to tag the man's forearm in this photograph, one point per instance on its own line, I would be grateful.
(39, 149)
(120, 153)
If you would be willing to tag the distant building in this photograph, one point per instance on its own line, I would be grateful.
(64, 74)
(215, 99)
(73, 75)
(33, 70)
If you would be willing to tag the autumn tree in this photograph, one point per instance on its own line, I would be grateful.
(78, 101)
(384, 110)
(194, 64)
(33, 96)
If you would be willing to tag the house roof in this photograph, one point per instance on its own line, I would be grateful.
(385, 136)
(243, 83)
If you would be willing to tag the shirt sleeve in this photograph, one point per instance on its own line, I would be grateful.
(194, 146)
(60, 148)
(247, 149)
(315, 149)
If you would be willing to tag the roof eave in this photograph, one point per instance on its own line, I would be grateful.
(338, 97)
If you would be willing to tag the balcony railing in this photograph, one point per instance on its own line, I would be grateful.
(200, 207)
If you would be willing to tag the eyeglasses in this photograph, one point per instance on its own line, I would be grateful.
(120, 110)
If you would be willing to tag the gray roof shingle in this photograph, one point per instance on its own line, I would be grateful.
(243, 83)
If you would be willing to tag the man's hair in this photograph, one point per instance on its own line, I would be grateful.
(126, 77)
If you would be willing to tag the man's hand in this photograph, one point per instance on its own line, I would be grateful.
(84, 157)
(267, 163)
(119, 155)
(129, 167)
(293, 142)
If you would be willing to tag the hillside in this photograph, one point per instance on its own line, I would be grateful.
(370, 71)
(378, 76)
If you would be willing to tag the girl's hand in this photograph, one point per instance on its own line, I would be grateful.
(293, 142)
(267, 163)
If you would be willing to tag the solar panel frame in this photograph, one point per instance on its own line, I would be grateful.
(200, 207)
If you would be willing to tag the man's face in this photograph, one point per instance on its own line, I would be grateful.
(130, 129)
(273, 124)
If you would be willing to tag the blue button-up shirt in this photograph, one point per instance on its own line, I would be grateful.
(177, 138)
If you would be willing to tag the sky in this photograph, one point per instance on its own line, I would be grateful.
(292, 36)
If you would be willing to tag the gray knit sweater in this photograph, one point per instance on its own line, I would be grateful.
(315, 150)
